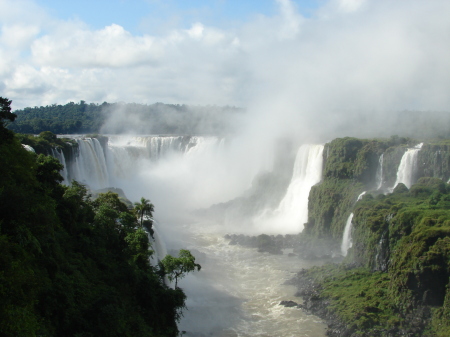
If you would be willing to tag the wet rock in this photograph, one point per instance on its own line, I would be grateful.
(289, 304)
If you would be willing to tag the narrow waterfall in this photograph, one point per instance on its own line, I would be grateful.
(58, 154)
(292, 211)
(347, 241)
(28, 148)
(407, 169)
(158, 246)
(379, 174)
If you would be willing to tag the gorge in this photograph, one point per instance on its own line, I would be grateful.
(264, 197)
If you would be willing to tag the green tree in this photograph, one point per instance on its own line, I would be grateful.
(5, 110)
(5, 114)
(143, 208)
(177, 267)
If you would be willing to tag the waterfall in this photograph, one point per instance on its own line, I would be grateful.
(158, 246)
(292, 211)
(407, 169)
(347, 241)
(28, 148)
(89, 166)
(59, 154)
(239, 290)
(379, 174)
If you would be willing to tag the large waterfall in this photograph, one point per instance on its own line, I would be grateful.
(292, 211)
(238, 291)
(407, 169)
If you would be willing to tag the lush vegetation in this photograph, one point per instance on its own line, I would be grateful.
(350, 167)
(397, 274)
(70, 265)
(402, 251)
(158, 118)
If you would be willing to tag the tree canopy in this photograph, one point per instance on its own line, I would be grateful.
(178, 267)
(72, 266)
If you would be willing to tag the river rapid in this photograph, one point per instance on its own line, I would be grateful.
(238, 291)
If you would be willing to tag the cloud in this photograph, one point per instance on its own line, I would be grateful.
(110, 47)
(288, 70)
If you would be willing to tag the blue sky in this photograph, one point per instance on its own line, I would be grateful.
(148, 16)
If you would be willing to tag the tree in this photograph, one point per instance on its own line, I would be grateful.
(177, 267)
(5, 110)
(143, 208)
(5, 113)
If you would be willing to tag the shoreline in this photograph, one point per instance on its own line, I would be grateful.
(315, 302)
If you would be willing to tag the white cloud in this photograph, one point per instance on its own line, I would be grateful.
(109, 47)
(291, 70)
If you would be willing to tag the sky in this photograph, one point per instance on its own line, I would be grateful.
(292, 62)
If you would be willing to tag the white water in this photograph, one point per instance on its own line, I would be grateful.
(89, 166)
(379, 174)
(238, 290)
(407, 169)
(292, 211)
(347, 241)
(58, 154)
(28, 148)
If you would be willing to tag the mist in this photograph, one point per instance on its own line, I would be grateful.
(352, 68)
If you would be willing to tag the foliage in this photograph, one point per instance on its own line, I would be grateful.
(70, 266)
(157, 118)
(401, 241)
(143, 209)
(178, 267)
(47, 142)
(357, 296)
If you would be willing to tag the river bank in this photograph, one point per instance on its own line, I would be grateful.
(353, 304)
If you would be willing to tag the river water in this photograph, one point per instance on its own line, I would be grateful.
(238, 290)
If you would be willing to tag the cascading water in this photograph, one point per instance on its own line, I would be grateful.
(292, 211)
(407, 169)
(158, 246)
(347, 241)
(379, 174)
(58, 154)
(238, 291)
(89, 164)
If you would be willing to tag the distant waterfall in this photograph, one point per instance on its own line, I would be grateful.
(379, 174)
(58, 154)
(99, 166)
(407, 169)
(292, 211)
(89, 165)
(347, 241)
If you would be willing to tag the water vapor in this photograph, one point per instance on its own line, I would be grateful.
(341, 71)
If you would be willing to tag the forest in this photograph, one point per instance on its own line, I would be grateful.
(157, 118)
(71, 265)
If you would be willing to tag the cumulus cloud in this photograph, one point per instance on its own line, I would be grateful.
(349, 56)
